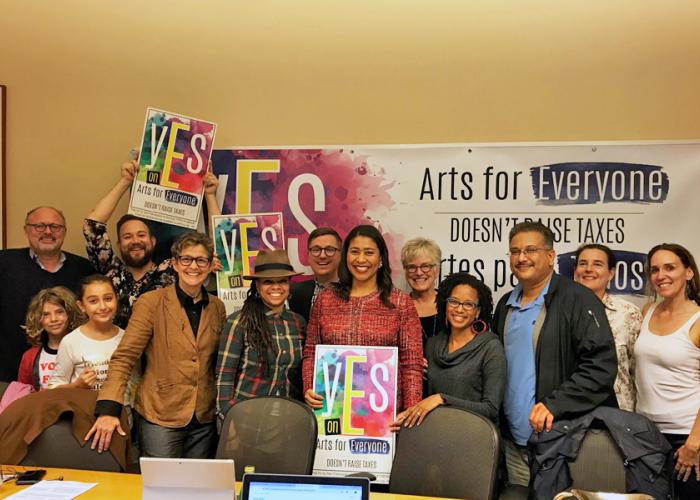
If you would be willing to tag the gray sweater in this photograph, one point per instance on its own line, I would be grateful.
(472, 377)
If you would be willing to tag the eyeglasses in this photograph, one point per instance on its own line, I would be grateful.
(412, 268)
(467, 305)
(329, 251)
(187, 261)
(515, 252)
(41, 227)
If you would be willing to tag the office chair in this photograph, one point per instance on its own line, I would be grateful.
(599, 464)
(453, 453)
(57, 446)
(273, 434)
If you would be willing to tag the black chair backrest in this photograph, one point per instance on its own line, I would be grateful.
(453, 453)
(273, 434)
(599, 464)
(57, 446)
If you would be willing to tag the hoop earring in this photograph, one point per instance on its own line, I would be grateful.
(479, 326)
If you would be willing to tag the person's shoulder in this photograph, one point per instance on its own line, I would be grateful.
(302, 286)
(14, 254)
(400, 298)
(72, 338)
(491, 341)
(31, 352)
(566, 288)
(621, 304)
(154, 296)
(71, 257)
(216, 301)
(295, 317)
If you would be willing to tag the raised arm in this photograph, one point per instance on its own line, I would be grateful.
(105, 207)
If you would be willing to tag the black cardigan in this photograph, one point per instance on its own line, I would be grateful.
(575, 358)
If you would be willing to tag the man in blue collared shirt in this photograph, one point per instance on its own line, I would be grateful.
(559, 348)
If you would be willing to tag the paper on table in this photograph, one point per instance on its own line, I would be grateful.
(53, 490)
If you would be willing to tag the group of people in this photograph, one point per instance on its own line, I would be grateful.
(553, 348)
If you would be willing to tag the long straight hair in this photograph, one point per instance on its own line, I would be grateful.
(384, 282)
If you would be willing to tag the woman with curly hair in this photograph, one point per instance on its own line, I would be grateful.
(52, 313)
(466, 362)
(365, 309)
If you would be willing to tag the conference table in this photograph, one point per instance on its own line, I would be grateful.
(118, 486)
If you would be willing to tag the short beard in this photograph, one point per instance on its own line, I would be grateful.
(131, 262)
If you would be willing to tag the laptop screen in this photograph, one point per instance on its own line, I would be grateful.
(273, 487)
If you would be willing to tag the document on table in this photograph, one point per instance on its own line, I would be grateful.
(53, 490)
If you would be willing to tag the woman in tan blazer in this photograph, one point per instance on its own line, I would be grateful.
(178, 329)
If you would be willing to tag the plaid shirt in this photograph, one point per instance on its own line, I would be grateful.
(104, 260)
(366, 321)
(239, 374)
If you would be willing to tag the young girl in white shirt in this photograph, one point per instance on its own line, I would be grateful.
(84, 354)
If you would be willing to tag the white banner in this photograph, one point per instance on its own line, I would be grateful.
(467, 198)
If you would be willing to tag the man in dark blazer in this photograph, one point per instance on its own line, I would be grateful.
(324, 245)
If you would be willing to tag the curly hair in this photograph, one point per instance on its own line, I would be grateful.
(59, 296)
(384, 282)
(483, 292)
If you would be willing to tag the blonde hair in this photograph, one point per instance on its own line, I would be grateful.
(413, 248)
(59, 296)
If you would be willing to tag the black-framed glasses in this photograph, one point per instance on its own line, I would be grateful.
(187, 261)
(425, 268)
(41, 227)
(467, 305)
(516, 252)
(329, 251)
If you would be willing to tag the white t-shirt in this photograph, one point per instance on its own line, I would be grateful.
(47, 365)
(78, 352)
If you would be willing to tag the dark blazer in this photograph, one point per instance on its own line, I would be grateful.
(300, 296)
(575, 358)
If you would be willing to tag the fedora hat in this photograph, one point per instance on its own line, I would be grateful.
(272, 264)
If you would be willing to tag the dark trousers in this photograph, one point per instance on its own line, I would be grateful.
(689, 490)
(195, 440)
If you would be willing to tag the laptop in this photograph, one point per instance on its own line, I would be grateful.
(291, 487)
(187, 478)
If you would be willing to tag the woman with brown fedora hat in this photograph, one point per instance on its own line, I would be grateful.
(261, 346)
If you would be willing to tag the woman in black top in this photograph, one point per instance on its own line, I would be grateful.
(466, 361)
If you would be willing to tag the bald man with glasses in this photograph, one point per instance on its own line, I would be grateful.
(26, 271)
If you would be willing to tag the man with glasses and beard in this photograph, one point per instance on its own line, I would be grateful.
(26, 271)
(133, 272)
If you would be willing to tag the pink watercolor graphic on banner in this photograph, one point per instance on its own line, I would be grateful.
(348, 187)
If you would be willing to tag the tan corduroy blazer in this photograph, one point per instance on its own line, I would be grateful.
(179, 377)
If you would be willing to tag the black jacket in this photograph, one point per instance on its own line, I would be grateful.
(648, 456)
(300, 296)
(575, 358)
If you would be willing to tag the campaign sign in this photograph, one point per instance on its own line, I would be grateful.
(175, 152)
(358, 385)
(237, 241)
